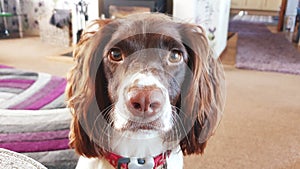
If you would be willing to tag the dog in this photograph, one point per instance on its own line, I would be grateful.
(145, 91)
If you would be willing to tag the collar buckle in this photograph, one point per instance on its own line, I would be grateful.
(122, 161)
(141, 163)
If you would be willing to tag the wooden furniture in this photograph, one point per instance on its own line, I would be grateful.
(264, 5)
(281, 15)
(228, 56)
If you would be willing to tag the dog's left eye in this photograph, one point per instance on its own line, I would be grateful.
(115, 54)
(175, 56)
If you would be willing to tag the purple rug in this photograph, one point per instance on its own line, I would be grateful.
(21, 90)
(260, 49)
(34, 119)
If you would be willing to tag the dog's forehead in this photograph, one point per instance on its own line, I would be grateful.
(146, 24)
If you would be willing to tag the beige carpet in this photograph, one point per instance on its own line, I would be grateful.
(32, 54)
(261, 124)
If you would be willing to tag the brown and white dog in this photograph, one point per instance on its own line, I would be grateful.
(145, 91)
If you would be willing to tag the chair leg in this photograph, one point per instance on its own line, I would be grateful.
(20, 25)
(6, 32)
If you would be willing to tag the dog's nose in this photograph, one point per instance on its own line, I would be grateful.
(145, 102)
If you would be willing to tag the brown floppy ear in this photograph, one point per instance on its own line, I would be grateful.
(205, 99)
(80, 90)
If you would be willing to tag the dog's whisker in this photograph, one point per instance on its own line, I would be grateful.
(107, 132)
(181, 127)
(103, 113)
(101, 122)
(175, 134)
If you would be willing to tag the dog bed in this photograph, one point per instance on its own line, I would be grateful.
(34, 119)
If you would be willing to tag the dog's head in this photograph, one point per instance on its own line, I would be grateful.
(144, 73)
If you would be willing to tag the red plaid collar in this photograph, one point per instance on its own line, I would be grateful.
(120, 162)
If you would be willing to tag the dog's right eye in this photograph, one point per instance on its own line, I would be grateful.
(115, 54)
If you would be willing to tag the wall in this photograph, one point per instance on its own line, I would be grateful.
(290, 15)
(291, 8)
(49, 33)
(30, 10)
(37, 14)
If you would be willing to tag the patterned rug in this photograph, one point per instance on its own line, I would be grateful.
(34, 119)
(259, 49)
(255, 18)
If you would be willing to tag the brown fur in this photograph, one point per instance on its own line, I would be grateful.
(203, 102)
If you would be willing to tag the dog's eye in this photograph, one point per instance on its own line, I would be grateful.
(115, 54)
(175, 56)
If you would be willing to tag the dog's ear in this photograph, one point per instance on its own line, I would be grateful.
(205, 99)
(80, 90)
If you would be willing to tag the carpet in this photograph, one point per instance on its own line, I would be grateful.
(34, 119)
(259, 49)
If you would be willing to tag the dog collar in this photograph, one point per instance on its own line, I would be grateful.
(119, 162)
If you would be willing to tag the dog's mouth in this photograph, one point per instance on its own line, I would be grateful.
(149, 126)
